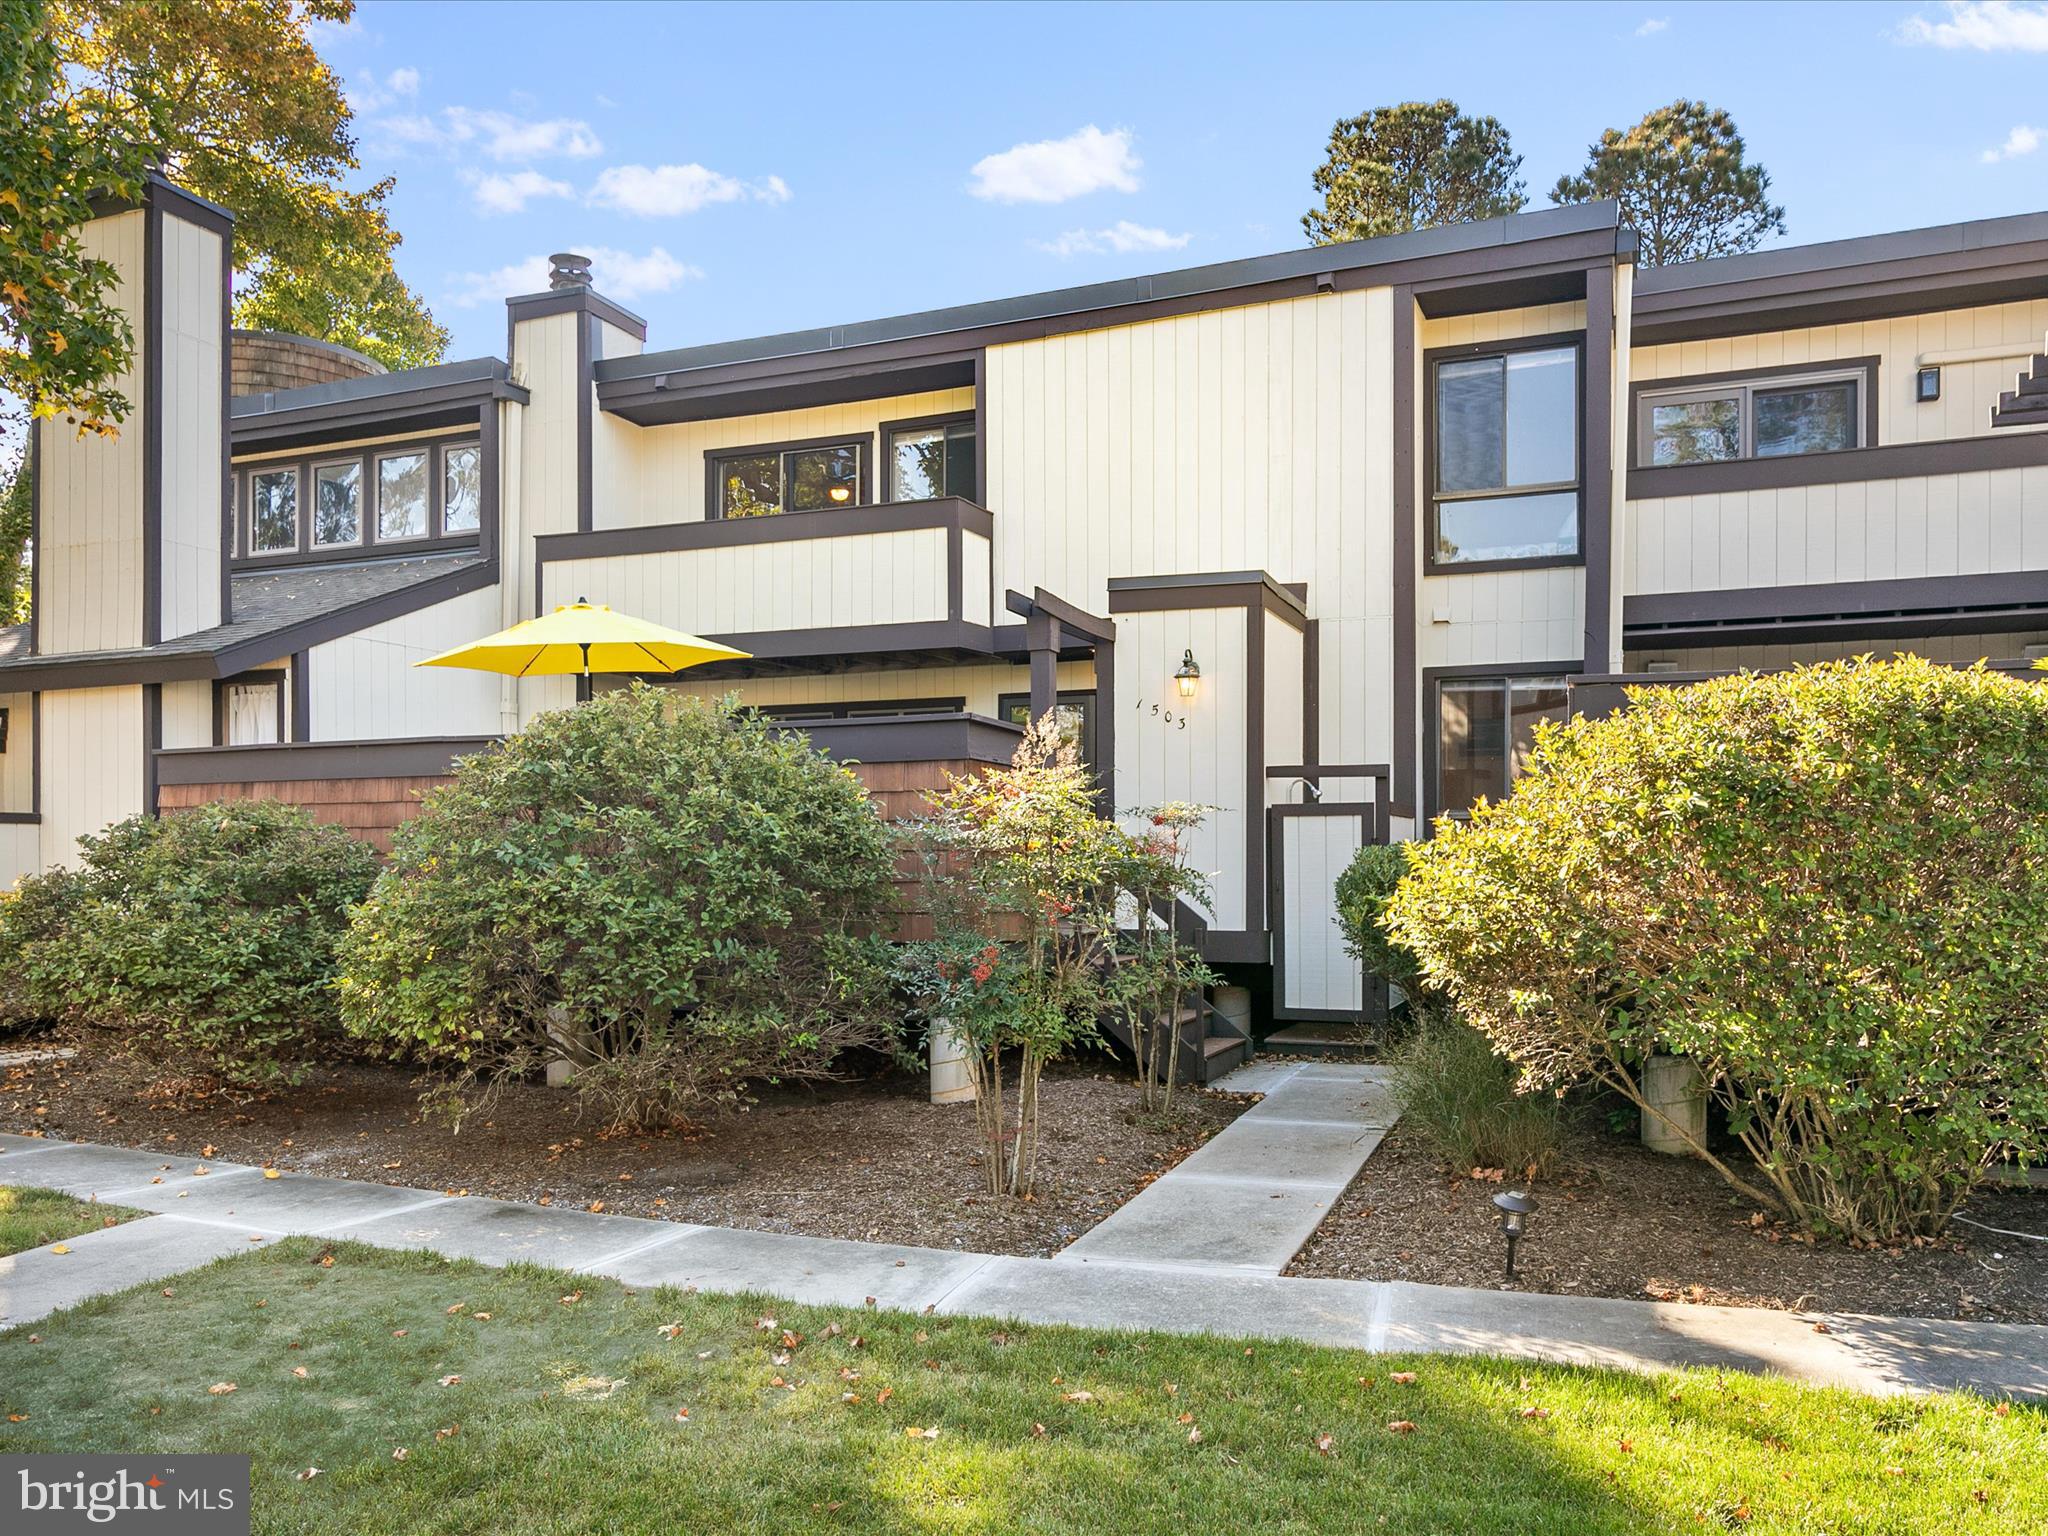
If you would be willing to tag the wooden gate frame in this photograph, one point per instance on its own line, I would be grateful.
(1374, 817)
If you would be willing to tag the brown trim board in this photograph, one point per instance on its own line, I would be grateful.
(1371, 830)
(1847, 466)
(295, 762)
(1406, 533)
(1596, 467)
(263, 675)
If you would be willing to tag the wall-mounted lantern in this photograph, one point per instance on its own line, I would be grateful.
(1189, 676)
(1927, 385)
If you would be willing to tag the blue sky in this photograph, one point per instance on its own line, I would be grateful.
(736, 170)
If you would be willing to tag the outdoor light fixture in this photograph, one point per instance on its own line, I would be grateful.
(1927, 385)
(1188, 675)
(1515, 1210)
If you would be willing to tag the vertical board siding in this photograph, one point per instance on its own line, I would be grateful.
(544, 354)
(1501, 616)
(1872, 530)
(21, 852)
(1285, 706)
(91, 522)
(656, 475)
(1204, 764)
(1969, 390)
(977, 580)
(365, 686)
(187, 714)
(191, 341)
(93, 744)
(1320, 974)
(863, 578)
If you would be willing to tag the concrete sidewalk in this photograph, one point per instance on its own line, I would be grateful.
(230, 1209)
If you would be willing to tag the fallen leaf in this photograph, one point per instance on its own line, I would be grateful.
(669, 1330)
(1038, 1431)
(399, 1333)
(272, 1173)
(572, 1298)
(884, 1395)
(914, 1433)
(308, 1475)
(482, 1317)
(443, 1434)
(221, 1388)
(59, 1248)
(1077, 1397)
(1531, 1411)
(300, 1372)
(208, 1151)
(1402, 1427)
(449, 1381)
(1326, 1445)
(682, 1415)
(1627, 1446)
(17, 1418)
(791, 1340)
(1402, 1378)
(399, 1453)
(1194, 1437)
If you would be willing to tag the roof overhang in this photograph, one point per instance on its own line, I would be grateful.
(417, 400)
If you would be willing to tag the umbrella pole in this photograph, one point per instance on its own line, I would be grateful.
(583, 682)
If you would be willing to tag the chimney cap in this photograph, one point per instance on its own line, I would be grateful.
(568, 270)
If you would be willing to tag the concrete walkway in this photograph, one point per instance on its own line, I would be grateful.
(230, 1209)
(1248, 1200)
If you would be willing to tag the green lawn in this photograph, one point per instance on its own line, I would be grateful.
(30, 1218)
(564, 1418)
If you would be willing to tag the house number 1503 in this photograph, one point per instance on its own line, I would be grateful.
(1164, 716)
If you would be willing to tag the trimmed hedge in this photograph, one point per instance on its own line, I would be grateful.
(670, 895)
(1827, 886)
(203, 942)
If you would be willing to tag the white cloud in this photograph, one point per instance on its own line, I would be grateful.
(1122, 237)
(617, 274)
(1653, 25)
(1986, 26)
(502, 193)
(497, 135)
(403, 82)
(1053, 170)
(2021, 141)
(667, 191)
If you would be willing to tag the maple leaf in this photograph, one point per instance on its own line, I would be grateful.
(399, 1453)
(221, 1388)
(1402, 1427)
(1531, 1411)
(1326, 1445)
(1402, 1378)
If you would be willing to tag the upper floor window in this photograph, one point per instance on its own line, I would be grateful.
(354, 502)
(1764, 416)
(791, 477)
(1504, 424)
(928, 459)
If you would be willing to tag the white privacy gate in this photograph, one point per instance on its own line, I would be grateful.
(1309, 846)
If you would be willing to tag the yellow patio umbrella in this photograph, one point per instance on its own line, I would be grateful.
(580, 638)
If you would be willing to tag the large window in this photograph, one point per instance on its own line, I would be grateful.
(1505, 477)
(342, 504)
(805, 477)
(928, 459)
(1485, 729)
(1764, 416)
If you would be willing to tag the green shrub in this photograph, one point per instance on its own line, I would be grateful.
(1363, 891)
(1461, 1097)
(35, 916)
(1829, 887)
(670, 895)
(202, 941)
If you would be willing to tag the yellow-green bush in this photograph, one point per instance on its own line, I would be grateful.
(1827, 886)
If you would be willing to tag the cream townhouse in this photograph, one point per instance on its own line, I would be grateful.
(1314, 538)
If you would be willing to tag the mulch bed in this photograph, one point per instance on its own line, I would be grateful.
(1617, 1220)
(872, 1159)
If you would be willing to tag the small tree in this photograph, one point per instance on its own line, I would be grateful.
(202, 942)
(1020, 867)
(672, 896)
(1829, 887)
(1157, 967)
(1683, 184)
(1363, 891)
(1413, 166)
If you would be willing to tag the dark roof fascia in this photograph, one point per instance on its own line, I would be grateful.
(237, 653)
(1948, 266)
(581, 299)
(1989, 601)
(168, 196)
(943, 736)
(447, 394)
(297, 761)
(1583, 235)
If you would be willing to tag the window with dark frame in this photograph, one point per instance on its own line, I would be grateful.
(1802, 410)
(251, 711)
(352, 502)
(1505, 483)
(1486, 728)
(763, 482)
(1073, 710)
(927, 460)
